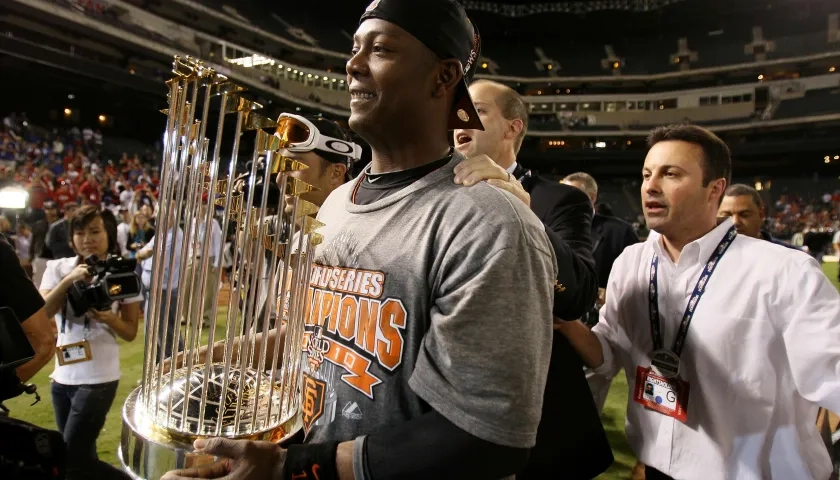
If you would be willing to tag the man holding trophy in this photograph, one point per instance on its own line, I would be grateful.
(428, 325)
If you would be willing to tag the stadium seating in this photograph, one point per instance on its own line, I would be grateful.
(815, 102)
(515, 55)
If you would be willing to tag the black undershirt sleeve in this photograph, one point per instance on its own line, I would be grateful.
(430, 446)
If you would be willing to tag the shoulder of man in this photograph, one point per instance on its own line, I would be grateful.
(756, 251)
(543, 186)
(614, 223)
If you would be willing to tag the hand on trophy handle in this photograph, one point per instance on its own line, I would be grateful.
(242, 460)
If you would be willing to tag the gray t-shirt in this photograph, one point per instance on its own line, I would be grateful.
(436, 296)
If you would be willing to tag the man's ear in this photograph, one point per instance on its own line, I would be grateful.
(514, 128)
(448, 75)
(338, 173)
(718, 188)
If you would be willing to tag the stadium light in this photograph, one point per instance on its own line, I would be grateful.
(13, 198)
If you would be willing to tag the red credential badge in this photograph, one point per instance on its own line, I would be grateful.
(666, 396)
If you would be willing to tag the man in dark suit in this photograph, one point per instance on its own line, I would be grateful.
(610, 235)
(571, 442)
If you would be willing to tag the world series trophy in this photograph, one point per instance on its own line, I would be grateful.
(252, 392)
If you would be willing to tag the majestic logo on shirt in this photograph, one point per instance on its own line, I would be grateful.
(350, 326)
(313, 400)
(352, 411)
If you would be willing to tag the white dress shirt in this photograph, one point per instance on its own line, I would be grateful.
(171, 249)
(122, 238)
(199, 237)
(761, 354)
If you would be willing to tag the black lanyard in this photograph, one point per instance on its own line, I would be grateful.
(64, 320)
(699, 289)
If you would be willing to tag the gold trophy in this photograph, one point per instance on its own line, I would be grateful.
(250, 393)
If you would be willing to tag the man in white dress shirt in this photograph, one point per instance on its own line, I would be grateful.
(202, 243)
(729, 343)
(170, 281)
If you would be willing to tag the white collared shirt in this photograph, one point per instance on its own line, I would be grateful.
(171, 249)
(199, 238)
(761, 354)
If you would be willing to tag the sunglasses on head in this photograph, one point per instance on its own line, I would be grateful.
(301, 135)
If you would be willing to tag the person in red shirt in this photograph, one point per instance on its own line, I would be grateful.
(64, 194)
(90, 191)
(41, 190)
(111, 169)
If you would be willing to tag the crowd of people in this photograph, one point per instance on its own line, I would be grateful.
(63, 169)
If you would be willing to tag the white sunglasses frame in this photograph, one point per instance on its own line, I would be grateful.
(319, 141)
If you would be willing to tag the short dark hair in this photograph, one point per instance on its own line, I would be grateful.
(333, 129)
(739, 189)
(84, 215)
(512, 107)
(717, 162)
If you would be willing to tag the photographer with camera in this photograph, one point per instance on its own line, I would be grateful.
(86, 294)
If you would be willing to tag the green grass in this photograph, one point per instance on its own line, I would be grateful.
(131, 362)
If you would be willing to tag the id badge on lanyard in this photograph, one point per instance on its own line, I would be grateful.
(77, 352)
(659, 386)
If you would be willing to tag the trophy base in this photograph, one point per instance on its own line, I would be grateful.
(147, 452)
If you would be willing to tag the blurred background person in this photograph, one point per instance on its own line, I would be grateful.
(58, 236)
(743, 205)
(38, 249)
(140, 233)
(123, 230)
(23, 247)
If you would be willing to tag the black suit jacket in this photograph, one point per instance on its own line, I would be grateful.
(567, 215)
(571, 443)
(610, 237)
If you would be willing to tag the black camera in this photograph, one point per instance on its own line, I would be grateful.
(114, 279)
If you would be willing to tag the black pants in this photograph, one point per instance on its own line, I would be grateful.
(654, 474)
(80, 412)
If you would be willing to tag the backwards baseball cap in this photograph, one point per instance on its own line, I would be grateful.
(443, 27)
